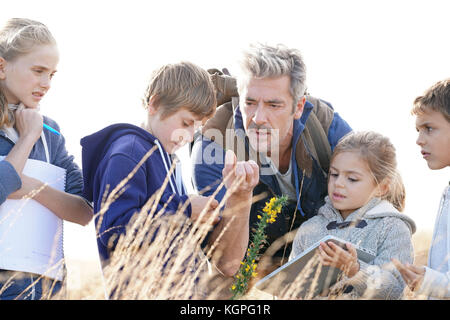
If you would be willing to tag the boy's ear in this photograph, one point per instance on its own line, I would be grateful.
(2, 68)
(151, 106)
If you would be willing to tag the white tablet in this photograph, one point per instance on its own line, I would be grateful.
(310, 282)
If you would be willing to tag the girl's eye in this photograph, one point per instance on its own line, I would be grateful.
(352, 179)
(185, 124)
(429, 129)
(334, 175)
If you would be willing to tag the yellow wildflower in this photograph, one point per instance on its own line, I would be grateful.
(248, 269)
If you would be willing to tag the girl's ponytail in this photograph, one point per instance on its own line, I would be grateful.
(397, 193)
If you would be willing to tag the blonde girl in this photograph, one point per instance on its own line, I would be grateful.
(364, 203)
(28, 62)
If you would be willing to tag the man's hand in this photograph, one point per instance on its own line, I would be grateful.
(412, 275)
(240, 176)
(232, 232)
(345, 260)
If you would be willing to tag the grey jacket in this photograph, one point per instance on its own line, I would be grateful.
(387, 235)
(10, 179)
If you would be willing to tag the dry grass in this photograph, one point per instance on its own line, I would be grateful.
(160, 258)
(85, 277)
(84, 280)
(421, 241)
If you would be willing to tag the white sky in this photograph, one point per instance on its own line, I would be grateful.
(370, 59)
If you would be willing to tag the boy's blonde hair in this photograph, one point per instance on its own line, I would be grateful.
(20, 36)
(181, 85)
(436, 98)
(379, 153)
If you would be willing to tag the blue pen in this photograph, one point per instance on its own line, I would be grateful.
(51, 129)
(46, 126)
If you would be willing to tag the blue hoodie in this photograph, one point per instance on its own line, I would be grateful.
(109, 155)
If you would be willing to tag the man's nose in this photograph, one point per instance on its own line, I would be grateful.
(260, 116)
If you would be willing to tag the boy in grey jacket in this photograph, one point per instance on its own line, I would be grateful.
(365, 197)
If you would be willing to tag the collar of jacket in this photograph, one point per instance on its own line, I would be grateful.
(3, 135)
(374, 209)
(330, 213)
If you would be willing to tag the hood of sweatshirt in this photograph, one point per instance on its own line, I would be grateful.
(97, 144)
(374, 209)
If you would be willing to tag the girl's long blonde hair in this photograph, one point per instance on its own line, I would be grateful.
(19, 36)
(379, 153)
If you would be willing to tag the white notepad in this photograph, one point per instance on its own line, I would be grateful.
(31, 236)
(312, 283)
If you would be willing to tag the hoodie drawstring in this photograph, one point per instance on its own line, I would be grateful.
(177, 173)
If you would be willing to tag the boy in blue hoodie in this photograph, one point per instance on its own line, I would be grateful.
(178, 99)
